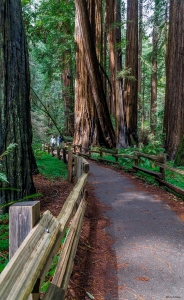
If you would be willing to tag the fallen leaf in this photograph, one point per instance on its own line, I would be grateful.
(142, 278)
(90, 296)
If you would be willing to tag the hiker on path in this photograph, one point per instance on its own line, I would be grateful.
(59, 140)
(52, 141)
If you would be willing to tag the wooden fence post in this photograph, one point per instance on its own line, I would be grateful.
(162, 169)
(116, 157)
(70, 165)
(58, 152)
(89, 151)
(136, 158)
(23, 217)
(64, 155)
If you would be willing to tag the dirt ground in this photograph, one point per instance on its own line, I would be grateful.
(90, 278)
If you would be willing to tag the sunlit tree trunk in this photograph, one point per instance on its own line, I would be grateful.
(87, 59)
(15, 119)
(174, 108)
(131, 81)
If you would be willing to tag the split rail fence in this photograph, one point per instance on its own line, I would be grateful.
(159, 160)
(22, 277)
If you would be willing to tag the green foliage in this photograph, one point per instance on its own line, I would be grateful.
(30, 197)
(6, 152)
(49, 166)
(50, 32)
(4, 241)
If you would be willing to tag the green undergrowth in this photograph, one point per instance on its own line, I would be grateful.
(50, 167)
(4, 241)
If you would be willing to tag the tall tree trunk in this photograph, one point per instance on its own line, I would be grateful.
(140, 52)
(111, 34)
(91, 62)
(68, 96)
(174, 108)
(131, 85)
(121, 132)
(87, 129)
(115, 97)
(15, 118)
(154, 70)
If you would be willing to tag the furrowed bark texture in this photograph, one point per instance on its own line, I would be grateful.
(15, 120)
(174, 108)
(154, 70)
(86, 121)
(115, 87)
(87, 44)
(131, 85)
(68, 98)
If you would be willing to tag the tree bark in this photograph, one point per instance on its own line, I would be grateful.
(68, 96)
(15, 118)
(92, 66)
(131, 84)
(154, 70)
(174, 108)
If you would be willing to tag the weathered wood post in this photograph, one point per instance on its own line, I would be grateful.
(48, 149)
(136, 158)
(22, 218)
(70, 165)
(64, 155)
(52, 151)
(116, 157)
(58, 153)
(162, 169)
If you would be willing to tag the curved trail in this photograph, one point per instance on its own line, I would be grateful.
(149, 238)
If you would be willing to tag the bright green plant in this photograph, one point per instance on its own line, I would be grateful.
(6, 152)
(49, 166)
(4, 241)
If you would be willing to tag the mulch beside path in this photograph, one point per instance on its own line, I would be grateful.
(95, 259)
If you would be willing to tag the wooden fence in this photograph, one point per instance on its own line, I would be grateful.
(159, 160)
(26, 270)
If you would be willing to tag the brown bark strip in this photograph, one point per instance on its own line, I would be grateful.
(94, 74)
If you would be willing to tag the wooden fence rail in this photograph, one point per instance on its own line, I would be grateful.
(159, 160)
(26, 270)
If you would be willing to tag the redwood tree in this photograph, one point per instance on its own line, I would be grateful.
(92, 117)
(115, 97)
(174, 108)
(15, 120)
(131, 64)
(154, 70)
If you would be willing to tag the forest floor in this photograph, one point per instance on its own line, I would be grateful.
(95, 268)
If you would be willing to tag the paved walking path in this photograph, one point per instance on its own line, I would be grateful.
(149, 236)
